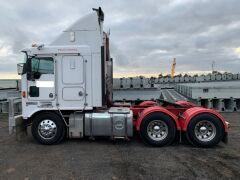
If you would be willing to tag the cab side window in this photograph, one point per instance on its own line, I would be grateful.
(44, 65)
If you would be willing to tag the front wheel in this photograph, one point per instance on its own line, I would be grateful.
(205, 130)
(48, 128)
(157, 129)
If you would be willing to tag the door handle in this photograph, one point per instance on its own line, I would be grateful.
(80, 93)
(51, 95)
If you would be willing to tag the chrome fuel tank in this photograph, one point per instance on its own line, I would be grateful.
(117, 122)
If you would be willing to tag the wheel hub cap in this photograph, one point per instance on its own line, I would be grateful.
(205, 130)
(157, 130)
(47, 129)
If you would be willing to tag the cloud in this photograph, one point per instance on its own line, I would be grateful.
(145, 35)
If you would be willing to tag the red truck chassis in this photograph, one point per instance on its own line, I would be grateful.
(196, 122)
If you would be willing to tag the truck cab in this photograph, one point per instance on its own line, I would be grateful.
(63, 75)
(59, 78)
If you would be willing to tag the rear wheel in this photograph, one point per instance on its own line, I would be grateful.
(205, 130)
(48, 128)
(157, 129)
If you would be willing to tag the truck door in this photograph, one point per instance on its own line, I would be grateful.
(42, 85)
(73, 81)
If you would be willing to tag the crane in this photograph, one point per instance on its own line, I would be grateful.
(173, 67)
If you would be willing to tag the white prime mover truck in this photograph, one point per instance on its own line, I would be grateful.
(67, 92)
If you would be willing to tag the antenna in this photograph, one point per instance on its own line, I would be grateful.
(213, 66)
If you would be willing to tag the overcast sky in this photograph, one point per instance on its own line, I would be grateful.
(145, 35)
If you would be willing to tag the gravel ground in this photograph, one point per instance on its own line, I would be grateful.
(105, 159)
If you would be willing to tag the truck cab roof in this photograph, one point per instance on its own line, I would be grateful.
(44, 50)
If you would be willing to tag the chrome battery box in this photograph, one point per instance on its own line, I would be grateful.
(76, 125)
(117, 122)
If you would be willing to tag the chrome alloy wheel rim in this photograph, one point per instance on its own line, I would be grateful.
(157, 130)
(47, 129)
(205, 130)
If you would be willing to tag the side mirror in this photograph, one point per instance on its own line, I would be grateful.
(31, 76)
(20, 68)
(36, 75)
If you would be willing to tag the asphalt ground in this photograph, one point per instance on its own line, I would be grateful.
(105, 159)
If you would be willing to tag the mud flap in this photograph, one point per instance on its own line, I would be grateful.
(20, 127)
(225, 138)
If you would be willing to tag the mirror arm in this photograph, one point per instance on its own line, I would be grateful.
(25, 52)
(29, 69)
(24, 65)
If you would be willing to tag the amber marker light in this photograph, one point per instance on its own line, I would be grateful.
(23, 94)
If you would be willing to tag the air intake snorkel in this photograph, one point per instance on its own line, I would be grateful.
(100, 14)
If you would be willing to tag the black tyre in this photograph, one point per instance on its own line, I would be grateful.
(205, 130)
(157, 129)
(48, 128)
